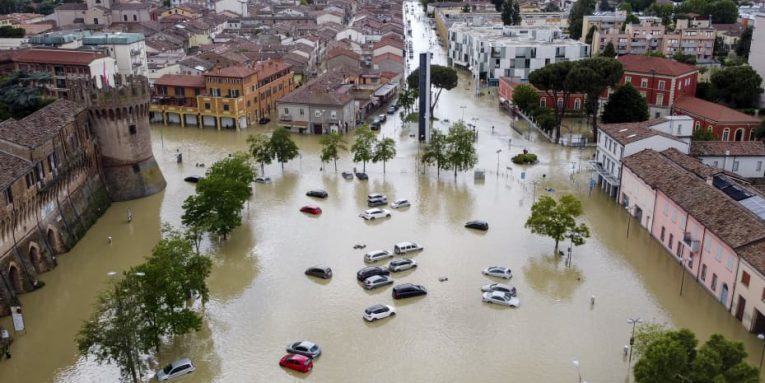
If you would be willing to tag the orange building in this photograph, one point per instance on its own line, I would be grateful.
(233, 97)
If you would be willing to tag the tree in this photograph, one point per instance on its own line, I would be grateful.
(744, 43)
(625, 105)
(283, 147)
(460, 149)
(701, 134)
(722, 11)
(551, 7)
(604, 6)
(737, 86)
(110, 335)
(435, 151)
(592, 77)
(384, 151)
(679, 56)
(590, 34)
(759, 132)
(525, 97)
(575, 17)
(7, 31)
(705, 91)
(498, 4)
(171, 275)
(441, 78)
(557, 219)
(672, 356)
(331, 145)
(20, 93)
(609, 50)
(406, 99)
(363, 146)
(631, 19)
(216, 206)
(553, 80)
(720, 50)
(663, 11)
(260, 150)
(511, 13)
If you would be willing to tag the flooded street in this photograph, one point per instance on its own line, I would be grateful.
(260, 300)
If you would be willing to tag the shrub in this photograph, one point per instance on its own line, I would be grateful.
(524, 159)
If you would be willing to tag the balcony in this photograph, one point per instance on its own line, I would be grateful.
(693, 244)
(603, 172)
(285, 117)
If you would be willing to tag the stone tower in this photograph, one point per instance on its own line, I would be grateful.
(119, 118)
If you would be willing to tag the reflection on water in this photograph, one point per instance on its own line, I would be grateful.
(549, 275)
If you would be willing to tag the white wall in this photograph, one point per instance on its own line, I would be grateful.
(750, 167)
(757, 52)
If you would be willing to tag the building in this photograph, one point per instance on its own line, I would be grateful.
(616, 141)
(494, 52)
(744, 158)
(105, 12)
(709, 220)
(661, 81)
(233, 97)
(62, 64)
(324, 104)
(757, 50)
(602, 21)
(574, 103)
(725, 123)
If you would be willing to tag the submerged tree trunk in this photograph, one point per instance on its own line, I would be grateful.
(335, 160)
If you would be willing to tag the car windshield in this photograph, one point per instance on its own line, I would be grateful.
(167, 369)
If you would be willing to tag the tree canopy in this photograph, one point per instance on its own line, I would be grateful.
(460, 149)
(737, 86)
(363, 146)
(20, 94)
(592, 77)
(384, 151)
(283, 147)
(609, 50)
(441, 77)
(553, 80)
(435, 151)
(331, 146)
(511, 12)
(557, 219)
(744, 43)
(525, 97)
(722, 11)
(575, 17)
(625, 105)
(260, 150)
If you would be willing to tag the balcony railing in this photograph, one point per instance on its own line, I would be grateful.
(285, 117)
(693, 244)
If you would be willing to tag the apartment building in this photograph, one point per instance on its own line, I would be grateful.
(693, 38)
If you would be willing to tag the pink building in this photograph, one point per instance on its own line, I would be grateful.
(699, 214)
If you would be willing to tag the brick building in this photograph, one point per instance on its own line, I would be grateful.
(727, 124)
(575, 102)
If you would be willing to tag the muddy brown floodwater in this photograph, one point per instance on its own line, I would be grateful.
(260, 299)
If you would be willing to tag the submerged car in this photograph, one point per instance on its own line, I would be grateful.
(304, 347)
(318, 193)
(499, 287)
(498, 271)
(408, 290)
(501, 298)
(376, 255)
(376, 281)
(375, 125)
(347, 175)
(264, 120)
(176, 369)
(406, 247)
(193, 179)
(376, 199)
(297, 362)
(319, 271)
(399, 203)
(311, 209)
(263, 180)
(401, 264)
(478, 225)
(367, 272)
(375, 312)
(391, 109)
(362, 176)
(372, 214)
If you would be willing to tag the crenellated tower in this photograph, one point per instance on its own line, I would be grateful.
(119, 118)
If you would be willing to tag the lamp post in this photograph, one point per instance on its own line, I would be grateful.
(629, 219)
(682, 279)
(633, 322)
(498, 152)
(578, 372)
(463, 112)
(762, 338)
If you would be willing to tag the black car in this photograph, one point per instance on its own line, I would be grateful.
(367, 272)
(264, 120)
(478, 225)
(318, 193)
(408, 290)
(319, 271)
(376, 202)
(362, 176)
(193, 179)
(375, 125)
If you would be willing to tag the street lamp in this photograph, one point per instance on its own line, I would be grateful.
(498, 152)
(578, 372)
(463, 112)
(633, 322)
(762, 338)
(629, 219)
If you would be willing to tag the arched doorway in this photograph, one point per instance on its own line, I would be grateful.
(724, 294)
(739, 135)
(15, 279)
(36, 258)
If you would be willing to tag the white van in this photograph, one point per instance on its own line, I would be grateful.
(406, 247)
(376, 255)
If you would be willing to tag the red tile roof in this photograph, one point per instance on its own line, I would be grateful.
(269, 67)
(56, 56)
(183, 80)
(727, 148)
(661, 66)
(710, 111)
(238, 71)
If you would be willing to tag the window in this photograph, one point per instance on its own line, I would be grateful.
(124, 17)
(628, 79)
(577, 104)
(287, 111)
(729, 266)
(759, 165)
(690, 262)
(674, 215)
(135, 17)
(703, 273)
(679, 251)
(661, 84)
(666, 208)
(8, 196)
(660, 100)
(671, 239)
(543, 102)
(301, 112)
(95, 20)
(136, 168)
(333, 115)
(745, 279)
(726, 133)
(714, 282)
(708, 245)
(644, 83)
(735, 165)
(132, 129)
(718, 257)
(697, 125)
(207, 105)
(643, 93)
(225, 107)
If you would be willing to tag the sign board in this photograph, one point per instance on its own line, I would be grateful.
(18, 319)
(523, 175)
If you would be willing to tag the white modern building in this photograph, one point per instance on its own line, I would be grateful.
(491, 52)
(616, 141)
(128, 49)
(757, 52)
(745, 158)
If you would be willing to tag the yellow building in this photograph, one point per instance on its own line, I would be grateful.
(223, 98)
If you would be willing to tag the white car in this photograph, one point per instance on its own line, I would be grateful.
(500, 298)
(175, 370)
(375, 312)
(376, 255)
(263, 180)
(372, 214)
(498, 271)
(402, 264)
(406, 247)
(500, 287)
(376, 281)
(400, 203)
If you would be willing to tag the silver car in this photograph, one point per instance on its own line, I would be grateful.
(376, 281)
(376, 255)
(500, 287)
(402, 264)
(501, 298)
(304, 347)
(175, 370)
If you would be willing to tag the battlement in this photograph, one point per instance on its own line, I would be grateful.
(126, 90)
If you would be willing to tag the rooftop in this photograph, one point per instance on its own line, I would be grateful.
(11, 168)
(238, 71)
(521, 36)
(326, 89)
(626, 133)
(183, 80)
(658, 65)
(56, 56)
(727, 148)
(40, 126)
(712, 111)
(118, 38)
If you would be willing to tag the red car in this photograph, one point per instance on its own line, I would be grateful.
(296, 362)
(313, 210)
